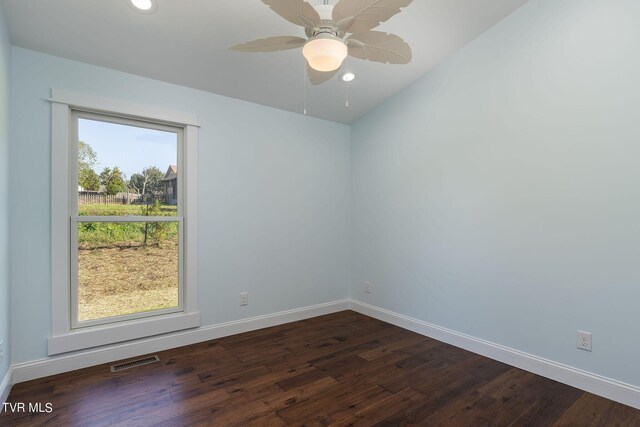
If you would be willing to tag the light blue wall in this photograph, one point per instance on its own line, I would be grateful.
(273, 197)
(5, 72)
(499, 195)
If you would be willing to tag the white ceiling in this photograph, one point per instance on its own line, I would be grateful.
(186, 42)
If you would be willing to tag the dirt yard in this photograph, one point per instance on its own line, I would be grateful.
(126, 278)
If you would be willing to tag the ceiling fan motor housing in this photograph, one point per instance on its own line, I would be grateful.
(326, 25)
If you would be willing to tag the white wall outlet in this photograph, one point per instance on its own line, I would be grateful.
(1, 350)
(244, 298)
(368, 287)
(583, 341)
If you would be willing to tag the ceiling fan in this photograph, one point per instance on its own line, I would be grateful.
(328, 27)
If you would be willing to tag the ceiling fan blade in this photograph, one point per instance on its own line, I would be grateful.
(318, 77)
(368, 14)
(344, 24)
(270, 44)
(378, 46)
(298, 12)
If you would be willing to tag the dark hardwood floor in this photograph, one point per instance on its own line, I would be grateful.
(340, 369)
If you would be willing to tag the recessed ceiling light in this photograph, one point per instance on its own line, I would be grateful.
(347, 77)
(144, 6)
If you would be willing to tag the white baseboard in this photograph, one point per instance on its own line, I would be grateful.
(5, 386)
(593, 383)
(70, 362)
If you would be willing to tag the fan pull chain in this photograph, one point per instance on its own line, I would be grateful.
(304, 85)
(346, 103)
(346, 84)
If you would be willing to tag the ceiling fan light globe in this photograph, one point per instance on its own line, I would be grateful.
(325, 54)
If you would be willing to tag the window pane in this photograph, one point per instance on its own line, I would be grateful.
(126, 170)
(126, 268)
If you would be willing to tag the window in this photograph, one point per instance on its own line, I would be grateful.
(125, 230)
(123, 222)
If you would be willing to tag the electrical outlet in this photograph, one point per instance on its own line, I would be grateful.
(1, 350)
(368, 287)
(244, 298)
(583, 341)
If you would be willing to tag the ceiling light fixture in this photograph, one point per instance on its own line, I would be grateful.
(347, 77)
(330, 28)
(325, 52)
(143, 6)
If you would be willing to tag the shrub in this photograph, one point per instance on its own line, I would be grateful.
(96, 234)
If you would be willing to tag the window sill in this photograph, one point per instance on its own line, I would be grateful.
(85, 338)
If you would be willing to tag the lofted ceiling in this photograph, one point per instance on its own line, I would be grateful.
(186, 42)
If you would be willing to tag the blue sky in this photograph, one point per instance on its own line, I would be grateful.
(130, 148)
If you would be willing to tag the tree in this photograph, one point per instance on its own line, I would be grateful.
(147, 182)
(87, 158)
(88, 179)
(105, 175)
(113, 181)
(156, 232)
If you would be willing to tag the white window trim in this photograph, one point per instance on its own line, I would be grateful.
(63, 338)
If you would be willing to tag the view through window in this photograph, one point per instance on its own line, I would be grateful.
(129, 220)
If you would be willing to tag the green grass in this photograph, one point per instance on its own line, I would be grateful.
(120, 210)
(93, 234)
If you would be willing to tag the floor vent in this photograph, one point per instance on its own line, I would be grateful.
(134, 363)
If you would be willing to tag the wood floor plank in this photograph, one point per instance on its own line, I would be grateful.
(256, 384)
(382, 409)
(339, 369)
(301, 379)
(588, 410)
(548, 408)
(332, 403)
(468, 410)
(410, 341)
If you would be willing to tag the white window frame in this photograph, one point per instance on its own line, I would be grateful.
(68, 335)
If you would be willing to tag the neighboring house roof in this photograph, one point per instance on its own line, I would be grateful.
(172, 173)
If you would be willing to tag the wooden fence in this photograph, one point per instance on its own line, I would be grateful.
(108, 199)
